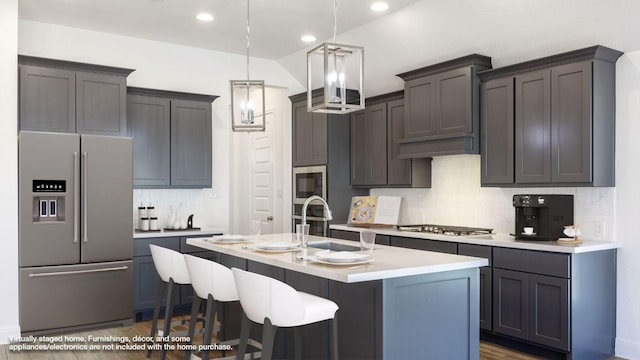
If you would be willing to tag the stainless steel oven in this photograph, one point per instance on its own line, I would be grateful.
(308, 181)
(316, 219)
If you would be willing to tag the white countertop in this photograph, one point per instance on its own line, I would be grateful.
(388, 261)
(499, 240)
(163, 233)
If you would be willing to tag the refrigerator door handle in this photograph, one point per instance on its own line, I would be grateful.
(76, 196)
(85, 155)
(76, 272)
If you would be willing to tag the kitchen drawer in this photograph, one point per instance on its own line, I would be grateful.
(53, 297)
(355, 236)
(537, 262)
(141, 246)
(476, 250)
(425, 244)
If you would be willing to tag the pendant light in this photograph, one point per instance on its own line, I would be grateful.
(341, 68)
(247, 98)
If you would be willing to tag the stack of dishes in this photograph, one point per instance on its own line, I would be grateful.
(341, 257)
(271, 246)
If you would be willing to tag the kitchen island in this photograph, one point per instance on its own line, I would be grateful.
(405, 304)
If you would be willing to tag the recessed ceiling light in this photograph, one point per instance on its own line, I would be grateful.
(379, 6)
(308, 38)
(204, 17)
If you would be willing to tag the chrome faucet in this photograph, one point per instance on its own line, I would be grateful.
(328, 215)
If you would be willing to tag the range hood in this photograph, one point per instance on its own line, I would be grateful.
(442, 108)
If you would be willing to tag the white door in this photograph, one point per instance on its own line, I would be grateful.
(263, 178)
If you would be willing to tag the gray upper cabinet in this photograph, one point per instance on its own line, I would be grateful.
(309, 136)
(150, 125)
(563, 113)
(369, 146)
(375, 133)
(497, 130)
(190, 143)
(171, 138)
(62, 96)
(533, 130)
(442, 108)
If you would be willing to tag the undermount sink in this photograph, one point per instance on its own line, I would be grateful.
(328, 245)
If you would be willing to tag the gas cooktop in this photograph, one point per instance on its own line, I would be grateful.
(445, 229)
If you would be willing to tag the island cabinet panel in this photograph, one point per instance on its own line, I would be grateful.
(171, 134)
(69, 97)
(564, 116)
(360, 327)
(496, 121)
(425, 244)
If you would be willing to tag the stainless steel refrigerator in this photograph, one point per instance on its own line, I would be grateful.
(76, 231)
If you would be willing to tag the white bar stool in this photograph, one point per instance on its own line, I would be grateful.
(213, 282)
(275, 304)
(172, 270)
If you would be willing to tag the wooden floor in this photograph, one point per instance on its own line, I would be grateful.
(488, 351)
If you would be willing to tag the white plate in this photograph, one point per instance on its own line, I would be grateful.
(229, 239)
(340, 256)
(531, 234)
(276, 246)
(356, 262)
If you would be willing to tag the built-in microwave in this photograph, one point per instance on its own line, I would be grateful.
(309, 181)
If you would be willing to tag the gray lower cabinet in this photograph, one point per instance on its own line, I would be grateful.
(355, 236)
(375, 133)
(171, 138)
(62, 96)
(425, 244)
(562, 114)
(146, 279)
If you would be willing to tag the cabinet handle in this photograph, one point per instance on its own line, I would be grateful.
(75, 272)
(85, 155)
(76, 197)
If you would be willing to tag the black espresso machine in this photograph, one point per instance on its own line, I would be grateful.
(542, 217)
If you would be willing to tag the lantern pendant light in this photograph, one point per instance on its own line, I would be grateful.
(247, 98)
(341, 69)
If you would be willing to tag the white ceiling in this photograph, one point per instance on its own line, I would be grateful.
(276, 25)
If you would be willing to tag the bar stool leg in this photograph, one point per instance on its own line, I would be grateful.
(334, 337)
(208, 325)
(297, 343)
(156, 313)
(245, 329)
(168, 314)
(268, 337)
(195, 306)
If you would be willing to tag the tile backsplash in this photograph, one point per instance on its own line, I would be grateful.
(456, 198)
(194, 201)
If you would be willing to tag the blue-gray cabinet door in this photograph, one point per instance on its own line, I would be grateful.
(511, 303)
(47, 99)
(533, 127)
(150, 127)
(190, 143)
(571, 127)
(549, 311)
(101, 107)
(496, 119)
